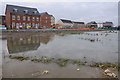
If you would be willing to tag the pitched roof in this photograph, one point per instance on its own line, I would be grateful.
(93, 22)
(51, 15)
(79, 22)
(43, 13)
(109, 22)
(21, 10)
(66, 21)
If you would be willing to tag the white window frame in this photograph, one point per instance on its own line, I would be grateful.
(13, 17)
(33, 24)
(17, 25)
(26, 11)
(33, 18)
(13, 24)
(28, 18)
(24, 18)
(18, 17)
(37, 19)
(15, 9)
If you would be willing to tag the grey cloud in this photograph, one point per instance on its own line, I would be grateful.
(86, 11)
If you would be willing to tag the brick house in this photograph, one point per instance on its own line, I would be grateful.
(46, 20)
(2, 20)
(22, 17)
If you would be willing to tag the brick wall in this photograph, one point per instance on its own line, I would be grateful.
(8, 19)
(26, 21)
(45, 20)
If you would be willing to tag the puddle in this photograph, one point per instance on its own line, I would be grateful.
(88, 46)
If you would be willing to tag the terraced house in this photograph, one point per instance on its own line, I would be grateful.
(22, 17)
(46, 20)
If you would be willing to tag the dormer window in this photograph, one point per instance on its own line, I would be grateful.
(35, 12)
(15, 10)
(26, 11)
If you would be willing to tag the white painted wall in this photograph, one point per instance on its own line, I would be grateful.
(99, 25)
(52, 20)
(61, 24)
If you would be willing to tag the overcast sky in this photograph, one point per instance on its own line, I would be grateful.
(76, 11)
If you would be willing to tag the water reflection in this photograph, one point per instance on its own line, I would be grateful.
(18, 44)
(72, 46)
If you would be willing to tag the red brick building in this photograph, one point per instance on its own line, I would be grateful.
(46, 20)
(22, 17)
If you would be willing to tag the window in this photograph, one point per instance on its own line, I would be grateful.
(15, 10)
(13, 17)
(28, 18)
(33, 18)
(37, 19)
(17, 25)
(13, 24)
(40, 19)
(24, 18)
(46, 21)
(24, 24)
(33, 24)
(35, 12)
(3, 21)
(36, 25)
(29, 24)
(18, 17)
(26, 11)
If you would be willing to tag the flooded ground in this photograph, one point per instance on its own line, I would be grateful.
(25, 56)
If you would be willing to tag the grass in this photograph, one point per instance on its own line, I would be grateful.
(63, 62)
(36, 60)
(20, 58)
(73, 33)
(75, 61)
(104, 65)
